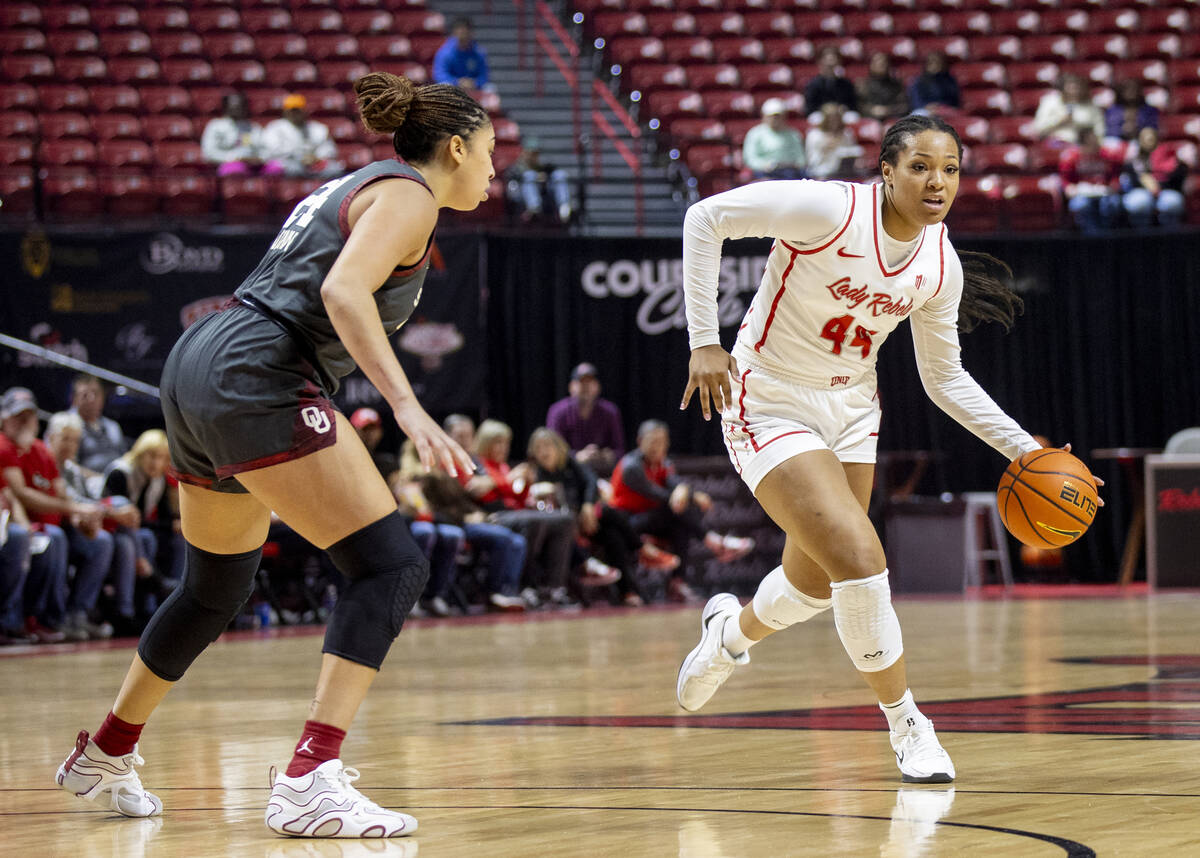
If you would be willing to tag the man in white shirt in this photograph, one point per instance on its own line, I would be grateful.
(298, 145)
(232, 141)
(774, 149)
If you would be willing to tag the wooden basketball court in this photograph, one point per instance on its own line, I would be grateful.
(1074, 725)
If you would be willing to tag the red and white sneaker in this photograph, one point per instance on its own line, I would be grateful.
(652, 557)
(92, 774)
(728, 548)
(323, 803)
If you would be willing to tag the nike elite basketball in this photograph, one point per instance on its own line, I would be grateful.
(1047, 498)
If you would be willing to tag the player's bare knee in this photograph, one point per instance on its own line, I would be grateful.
(387, 573)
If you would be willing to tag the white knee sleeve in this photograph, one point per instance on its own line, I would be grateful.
(778, 604)
(866, 622)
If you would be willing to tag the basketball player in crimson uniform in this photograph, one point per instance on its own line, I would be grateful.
(798, 400)
(252, 428)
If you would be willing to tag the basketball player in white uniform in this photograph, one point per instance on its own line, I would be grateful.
(798, 400)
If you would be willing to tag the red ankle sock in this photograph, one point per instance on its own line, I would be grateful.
(116, 737)
(318, 744)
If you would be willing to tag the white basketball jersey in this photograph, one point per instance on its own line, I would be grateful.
(823, 310)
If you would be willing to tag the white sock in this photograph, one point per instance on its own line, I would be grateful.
(732, 638)
(902, 714)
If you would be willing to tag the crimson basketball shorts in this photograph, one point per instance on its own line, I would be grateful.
(771, 420)
(237, 395)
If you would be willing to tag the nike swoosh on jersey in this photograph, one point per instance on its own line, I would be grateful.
(842, 252)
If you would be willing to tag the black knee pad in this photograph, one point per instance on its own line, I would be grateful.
(387, 573)
(213, 590)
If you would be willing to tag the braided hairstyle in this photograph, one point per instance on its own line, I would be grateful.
(417, 117)
(987, 281)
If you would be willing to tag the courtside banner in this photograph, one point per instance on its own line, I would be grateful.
(120, 300)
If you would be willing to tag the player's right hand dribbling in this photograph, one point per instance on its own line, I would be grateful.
(710, 371)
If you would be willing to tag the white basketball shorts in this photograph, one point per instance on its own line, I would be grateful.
(771, 420)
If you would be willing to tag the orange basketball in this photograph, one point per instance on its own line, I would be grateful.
(1047, 498)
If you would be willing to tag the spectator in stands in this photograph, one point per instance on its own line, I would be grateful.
(501, 491)
(555, 474)
(773, 149)
(70, 530)
(1152, 182)
(1090, 175)
(121, 519)
(1129, 112)
(538, 185)
(830, 146)
(591, 425)
(1062, 112)
(881, 94)
(830, 84)
(103, 441)
(15, 538)
(141, 476)
(461, 60)
(298, 146)
(232, 141)
(660, 504)
(369, 426)
(935, 88)
(461, 428)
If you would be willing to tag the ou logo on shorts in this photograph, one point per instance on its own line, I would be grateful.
(316, 419)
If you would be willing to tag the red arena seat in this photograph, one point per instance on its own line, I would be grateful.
(18, 123)
(282, 46)
(170, 126)
(65, 124)
(997, 158)
(160, 19)
(179, 155)
(19, 95)
(134, 70)
(165, 99)
(215, 19)
(16, 191)
(67, 15)
(125, 154)
(244, 198)
(15, 152)
(112, 126)
(63, 96)
(364, 22)
(72, 193)
(27, 68)
(187, 195)
(129, 194)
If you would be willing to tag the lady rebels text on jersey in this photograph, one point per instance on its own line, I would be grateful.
(835, 286)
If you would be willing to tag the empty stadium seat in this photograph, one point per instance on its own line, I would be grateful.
(16, 192)
(1011, 129)
(968, 23)
(71, 193)
(333, 46)
(1052, 48)
(74, 42)
(238, 73)
(244, 198)
(1003, 48)
(629, 50)
(186, 71)
(917, 24)
(1145, 46)
(709, 157)
(160, 19)
(1164, 19)
(767, 77)
(282, 46)
(610, 24)
(178, 155)
(975, 130)
(1009, 158)
(129, 194)
(784, 50)
(119, 43)
(27, 68)
(22, 40)
(342, 129)
(686, 131)
(111, 126)
(18, 123)
(16, 151)
(985, 75)
(181, 44)
(1025, 101)
(730, 104)
(714, 76)
(124, 154)
(65, 16)
(1032, 203)
(1102, 46)
(20, 15)
(986, 102)
(65, 123)
(165, 99)
(338, 73)
(1095, 72)
(737, 49)
(976, 206)
(649, 77)
(134, 70)
(85, 69)
(170, 126)
(687, 50)
(666, 105)
(115, 17)
(1037, 75)
(215, 19)
(227, 46)
(187, 194)
(286, 193)
(18, 95)
(364, 22)
(412, 21)
(63, 96)
(377, 48)
(355, 155)
(719, 24)
(266, 20)
(768, 23)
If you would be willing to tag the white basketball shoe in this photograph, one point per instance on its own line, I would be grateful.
(92, 774)
(708, 666)
(920, 756)
(323, 803)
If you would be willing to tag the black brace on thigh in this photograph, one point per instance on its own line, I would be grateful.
(386, 572)
(213, 590)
